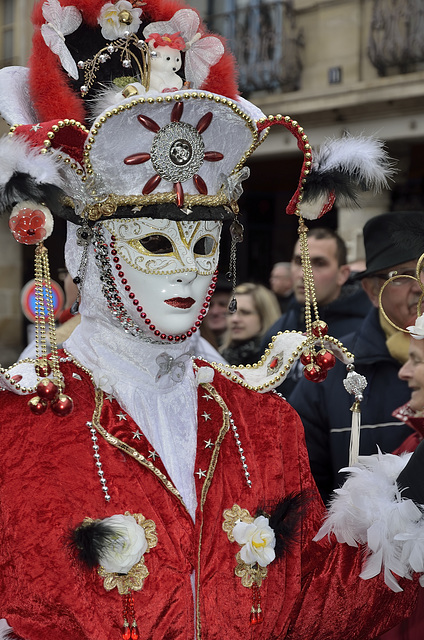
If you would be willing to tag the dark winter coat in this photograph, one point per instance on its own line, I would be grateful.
(325, 407)
(343, 316)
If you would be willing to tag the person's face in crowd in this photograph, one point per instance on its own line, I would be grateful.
(216, 319)
(280, 280)
(245, 323)
(400, 297)
(328, 275)
(413, 373)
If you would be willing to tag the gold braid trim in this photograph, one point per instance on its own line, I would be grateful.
(108, 207)
(122, 446)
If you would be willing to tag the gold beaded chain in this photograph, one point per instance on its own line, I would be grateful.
(311, 305)
(43, 304)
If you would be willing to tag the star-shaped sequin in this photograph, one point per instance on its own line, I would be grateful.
(201, 474)
(109, 397)
(208, 444)
(121, 416)
(207, 397)
(153, 455)
(206, 416)
(136, 435)
(35, 127)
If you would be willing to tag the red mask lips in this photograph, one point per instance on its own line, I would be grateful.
(180, 303)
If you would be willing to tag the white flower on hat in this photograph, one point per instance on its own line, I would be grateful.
(417, 330)
(257, 539)
(116, 20)
(125, 548)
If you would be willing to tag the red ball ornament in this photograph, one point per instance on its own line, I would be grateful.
(322, 376)
(37, 405)
(307, 357)
(47, 389)
(43, 368)
(312, 372)
(63, 405)
(325, 359)
(319, 328)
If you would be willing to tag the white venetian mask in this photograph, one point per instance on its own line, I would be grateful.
(167, 267)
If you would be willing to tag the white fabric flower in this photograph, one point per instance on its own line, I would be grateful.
(417, 330)
(110, 19)
(257, 540)
(126, 547)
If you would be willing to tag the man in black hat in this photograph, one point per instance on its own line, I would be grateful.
(380, 349)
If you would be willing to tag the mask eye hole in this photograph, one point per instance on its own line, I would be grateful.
(204, 246)
(157, 244)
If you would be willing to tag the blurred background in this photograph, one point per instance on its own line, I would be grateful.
(335, 66)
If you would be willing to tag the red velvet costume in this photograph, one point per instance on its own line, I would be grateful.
(49, 484)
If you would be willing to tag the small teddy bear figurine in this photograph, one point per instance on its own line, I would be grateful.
(165, 61)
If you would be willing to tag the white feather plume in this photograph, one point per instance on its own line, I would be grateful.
(369, 510)
(342, 168)
(17, 156)
(363, 158)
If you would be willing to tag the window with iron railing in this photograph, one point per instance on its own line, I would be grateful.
(396, 43)
(264, 40)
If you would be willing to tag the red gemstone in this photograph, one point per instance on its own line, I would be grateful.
(47, 389)
(37, 405)
(180, 194)
(134, 633)
(260, 616)
(16, 378)
(126, 634)
(150, 124)
(63, 405)
(177, 112)
(200, 184)
(325, 359)
(273, 363)
(137, 158)
(312, 372)
(213, 156)
(254, 617)
(151, 184)
(204, 122)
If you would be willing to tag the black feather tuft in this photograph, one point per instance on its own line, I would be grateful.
(23, 186)
(319, 184)
(11, 635)
(89, 539)
(285, 518)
